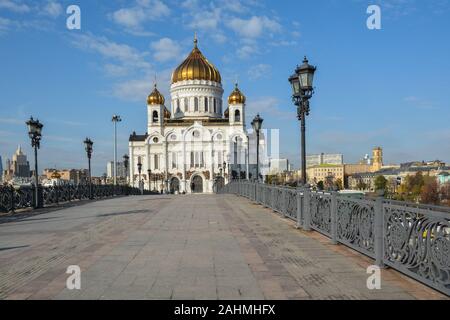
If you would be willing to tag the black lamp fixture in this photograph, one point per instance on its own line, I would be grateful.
(257, 124)
(88, 146)
(126, 161)
(139, 166)
(35, 134)
(302, 90)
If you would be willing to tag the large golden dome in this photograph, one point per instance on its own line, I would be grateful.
(236, 97)
(155, 97)
(196, 67)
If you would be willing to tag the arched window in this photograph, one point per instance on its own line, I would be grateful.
(237, 116)
(215, 106)
(196, 104)
(206, 104)
(186, 104)
(155, 116)
(178, 104)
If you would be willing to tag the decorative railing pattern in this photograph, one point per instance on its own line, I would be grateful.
(355, 224)
(320, 208)
(23, 197)
(411, 238)
(417, 242)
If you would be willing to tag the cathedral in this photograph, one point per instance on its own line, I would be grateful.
(196, 144)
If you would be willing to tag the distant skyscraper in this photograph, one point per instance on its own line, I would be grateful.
(121, 172)
(1, 169)
(18, 167)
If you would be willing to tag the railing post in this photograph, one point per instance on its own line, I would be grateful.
(285, 200)
(378, 230)
(299, 208)
(307, 210)
(333, 209)
(13, 201)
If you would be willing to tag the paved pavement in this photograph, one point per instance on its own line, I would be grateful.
(183, 247)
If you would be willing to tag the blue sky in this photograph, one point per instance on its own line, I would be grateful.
(387, 87)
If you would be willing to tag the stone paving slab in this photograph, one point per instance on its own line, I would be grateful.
(183, 247)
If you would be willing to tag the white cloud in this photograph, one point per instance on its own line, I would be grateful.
(127, 56)
(5, 24)
(269, 106)
(419, 103)
(166, 49)
(141, 12)
(137, 90)
(254, 27)
(53, 9)
(259, 71)
(205, 20)
(246, 51)
(15, 6)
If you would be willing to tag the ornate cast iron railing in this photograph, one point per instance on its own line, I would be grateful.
(412, 238)
(23, 197)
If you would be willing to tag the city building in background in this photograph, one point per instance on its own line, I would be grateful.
(121, 171)
(324, 158)
(18, 168)
(279, 166)
(64, 176)
(326, 174)
(1, 169)
(396, 175)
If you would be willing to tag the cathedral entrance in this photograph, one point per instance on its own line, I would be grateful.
(174, 185)
(197, 184)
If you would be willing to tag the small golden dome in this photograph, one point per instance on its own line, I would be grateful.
(155, 97)
(196, 67)
(55, 175)
(236, 97)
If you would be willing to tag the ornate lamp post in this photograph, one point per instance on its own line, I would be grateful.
(139, 166)
(256, 124)
(126, 160)
(115, 119)
(35, 134)
(224, 169)
(302, 91)
(149, 171)
(88, 146)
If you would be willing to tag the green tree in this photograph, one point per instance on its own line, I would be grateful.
(338, 183)
(361, 185)
(380, 183)
(430, 191)
(320, 185)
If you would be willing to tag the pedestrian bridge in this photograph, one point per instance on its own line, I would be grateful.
(197, 246)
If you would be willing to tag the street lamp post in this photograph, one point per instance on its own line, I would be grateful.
(115, 119)
(256, 124)
(126, 160)
(149, 171)
(302, 90)
(139, 166)
(88, 146)
(35, 134)
(224, 169)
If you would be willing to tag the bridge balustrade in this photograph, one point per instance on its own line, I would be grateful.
(411, 238)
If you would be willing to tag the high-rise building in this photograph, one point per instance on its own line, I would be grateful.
(1, 169)
(324, 158)
(121, 171)
(279, 165)
(19, 167)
